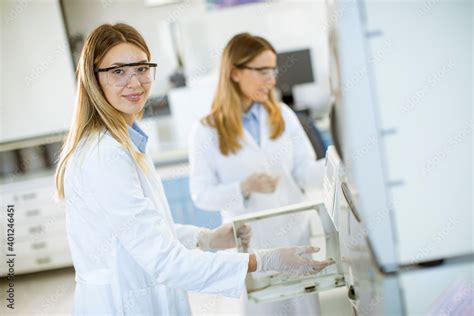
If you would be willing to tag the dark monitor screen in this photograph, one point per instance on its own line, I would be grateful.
(294, 68)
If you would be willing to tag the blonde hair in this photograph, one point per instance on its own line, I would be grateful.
(226, 111)
(93, 112)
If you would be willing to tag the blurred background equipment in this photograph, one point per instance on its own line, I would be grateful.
(295, 68)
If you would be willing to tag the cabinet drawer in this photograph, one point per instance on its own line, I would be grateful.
(36, 212)
(40, 246)
(27, 196)
(38, 228)
(38, 262)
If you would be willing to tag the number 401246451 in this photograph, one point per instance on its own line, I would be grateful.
(10, 227)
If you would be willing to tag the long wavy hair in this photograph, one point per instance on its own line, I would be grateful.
(93, 113)
(226, 111)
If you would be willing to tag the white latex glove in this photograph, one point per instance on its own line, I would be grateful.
(223, 237)
(289, 260)
(259, 183)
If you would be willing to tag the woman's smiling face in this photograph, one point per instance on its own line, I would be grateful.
(123, 87)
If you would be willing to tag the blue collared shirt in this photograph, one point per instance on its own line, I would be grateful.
(251, 121)
(138, 137)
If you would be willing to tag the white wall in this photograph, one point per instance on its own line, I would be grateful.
(2, 18)
(37, 79)
(82, 16)
(287, 24)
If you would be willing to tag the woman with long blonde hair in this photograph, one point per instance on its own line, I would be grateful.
(129, 256)
(251, 153)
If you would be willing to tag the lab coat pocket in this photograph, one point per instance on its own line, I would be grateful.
(132, 285)
(139, 302)
(94, 299)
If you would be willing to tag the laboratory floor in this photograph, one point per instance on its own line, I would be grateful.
(51, 293)
(43, 293)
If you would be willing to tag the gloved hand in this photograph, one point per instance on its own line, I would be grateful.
(223, 237)
(289, 260)
(260, 183)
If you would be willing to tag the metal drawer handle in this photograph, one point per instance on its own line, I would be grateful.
(347, 195)
(29, 196)
(39, 245)
(36, 229)
(34, 212)
(44, 260)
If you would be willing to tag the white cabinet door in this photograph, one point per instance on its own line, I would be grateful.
(37, 75)
(422, 74)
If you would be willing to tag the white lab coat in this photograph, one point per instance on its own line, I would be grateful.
(129, 257)
(215, 185)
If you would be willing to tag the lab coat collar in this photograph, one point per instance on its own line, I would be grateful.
(138, 136)
(253, 112)
(264, 126)
(261, 113)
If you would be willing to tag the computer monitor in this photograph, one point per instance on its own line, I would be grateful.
(295, 68)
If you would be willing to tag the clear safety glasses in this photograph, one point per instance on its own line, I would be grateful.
(120, 75)
(263, 72)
